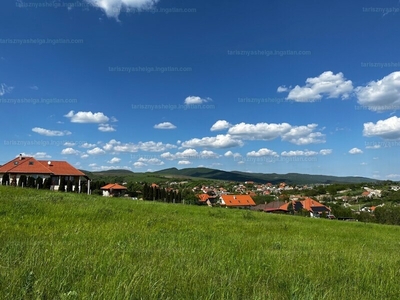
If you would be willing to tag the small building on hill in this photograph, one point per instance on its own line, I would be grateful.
(24, 166)
(239, 201)
(113, 190)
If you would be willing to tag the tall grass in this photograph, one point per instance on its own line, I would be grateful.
(69, 246)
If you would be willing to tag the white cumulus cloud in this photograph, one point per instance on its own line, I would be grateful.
(219, 141)
(327, 84)
(325, 151)
(106, 128)
(386, 129)
(165, 125)
(114, 160)
(113, 8)
(196, 100)
(381, 95)
(86, 117)
(355, 151)
(96, 151)
(69, 151)
(48, 132)
(220, 125)
(262, 152)
(184, 162)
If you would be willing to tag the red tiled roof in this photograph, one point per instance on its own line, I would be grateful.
(238, 200)
(29, 165)
(309, 204)
(114, 186)
(203, 197)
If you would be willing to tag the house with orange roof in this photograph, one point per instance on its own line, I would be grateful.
(312, 206)
(239, 201)
(113, 190)
(52, 170)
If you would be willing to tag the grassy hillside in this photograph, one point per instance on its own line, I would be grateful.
(67, 246)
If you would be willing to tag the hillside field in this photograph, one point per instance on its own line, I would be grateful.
(57, 245)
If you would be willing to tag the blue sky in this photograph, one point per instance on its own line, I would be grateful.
(267, 86)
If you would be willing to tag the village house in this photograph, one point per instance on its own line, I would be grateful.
(113, 190)
(52, 170)
(238, 201)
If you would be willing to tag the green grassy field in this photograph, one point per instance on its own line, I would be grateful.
(66, 246)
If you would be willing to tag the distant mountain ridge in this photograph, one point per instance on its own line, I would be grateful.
(236, 176)
(291, 178)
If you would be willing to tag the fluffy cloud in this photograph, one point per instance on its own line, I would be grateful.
(190, 154)
(86, 117)
(299, 153)
(304, 135)
(87, 145)
(96, 151)
(106, 128)
(69, 151)
(259, 131)
(48, 132)
(113, 8)
(165, 125)
(184, 162)
(196, 100)
(386, 129)
(282, 89)
(262, 152)
(381, 95)
(355, 151)
(114, 160)
(220, 141)
(139, 164)
(327, 84)
(4, 89)
(83, 156)
(220, 125)
(231, 154)
(41, 155)
(141, 146)
(151, 161)
(325, 151)
(299, 135)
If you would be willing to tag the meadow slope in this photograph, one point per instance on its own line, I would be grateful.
(67, 246)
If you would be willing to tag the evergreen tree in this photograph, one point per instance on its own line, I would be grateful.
(39, 182)
(69, 186)
(5, 179)
(31, 182)
(47, 183)
(76, 185)
(62, 184)
(22, 181)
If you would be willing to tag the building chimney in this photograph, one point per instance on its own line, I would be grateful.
(20, 156)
